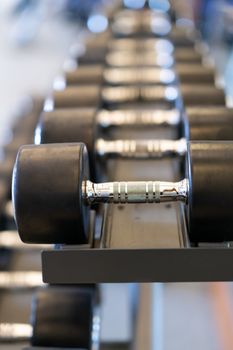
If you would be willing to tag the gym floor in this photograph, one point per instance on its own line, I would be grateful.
(185, 316)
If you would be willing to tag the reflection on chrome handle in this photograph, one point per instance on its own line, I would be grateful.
(138, 118)
(135, 192)
(143, 149)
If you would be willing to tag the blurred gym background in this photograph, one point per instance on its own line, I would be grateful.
(35, 37)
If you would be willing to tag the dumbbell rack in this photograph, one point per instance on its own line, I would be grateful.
(162, 264)
(154, 246)
(132, 244)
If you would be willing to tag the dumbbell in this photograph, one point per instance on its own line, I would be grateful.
(125, 52)
(140, 22)
(134, 52)
(149, 58)
(61, 316)
(82, 125)
(208, 116)
(98, 74)
(52, 193)
(151, 24)
(159, 96)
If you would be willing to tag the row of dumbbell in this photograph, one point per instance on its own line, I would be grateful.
(60, 124)
(54, 180)
(52, 192)
(136, 60)
(60, 316)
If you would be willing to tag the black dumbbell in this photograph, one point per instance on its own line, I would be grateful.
(151, 24)
(218, 116)
(147, 44)
(98, 74)
(134, 52)
(61, 316)
(214, 122)
(80, 125)
(149, 58)
(159, 96)
(142, 22)
(52, 193)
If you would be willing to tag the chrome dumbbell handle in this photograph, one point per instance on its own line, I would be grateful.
(138, 118)
(135, 192)
(142, 149)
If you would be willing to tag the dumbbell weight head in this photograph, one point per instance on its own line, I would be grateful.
(52, 178)
(75, 126)
(86, 74)
(154, 25)
(207, 190)
(187, 55)
(209, 123)
(210, 174)
(63, 317)
(87, 95)
(202, 95)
